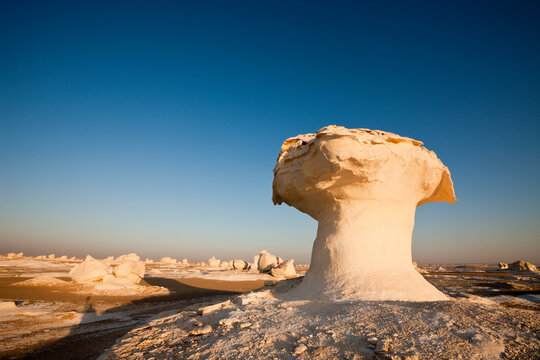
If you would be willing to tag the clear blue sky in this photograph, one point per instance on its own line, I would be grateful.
(153, 127)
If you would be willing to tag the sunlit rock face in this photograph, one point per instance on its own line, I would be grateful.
(363, 187)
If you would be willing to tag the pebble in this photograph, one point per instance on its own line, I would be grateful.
(300, 349)
(383, 346)
(372, 340)
(228, 321)
(201, 331)
(214, 307)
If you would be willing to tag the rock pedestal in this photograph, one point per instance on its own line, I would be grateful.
(363, 187)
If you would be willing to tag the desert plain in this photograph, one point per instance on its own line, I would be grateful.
(196, 311)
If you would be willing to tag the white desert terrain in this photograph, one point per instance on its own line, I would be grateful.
(362, 297)
(491, 314)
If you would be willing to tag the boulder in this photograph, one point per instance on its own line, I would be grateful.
(90, 270)
(131, 270)
(284, 269)
(521, 265)
(266, 261)
(503, 266)
(239, 265)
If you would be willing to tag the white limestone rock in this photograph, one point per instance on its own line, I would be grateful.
(201, 331)
(213, 262)
(266, 261)
(131, 270)
(167, 260)
(363, 187)
(521, 265)
(90, 270)
(300, 349)
(503, 266)
(128, 257)
(284, 269)
(215, 307)
(239, 265)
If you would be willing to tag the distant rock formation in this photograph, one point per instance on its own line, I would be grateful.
(363, 187)
(168, 260)
(240, 265)
(213, 262)
(503, 266)
(521, 265)
(127, 269)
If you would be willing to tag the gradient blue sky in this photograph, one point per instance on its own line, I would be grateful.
(153, 127)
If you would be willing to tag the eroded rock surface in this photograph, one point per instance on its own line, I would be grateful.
(266, 261)
(363, 187)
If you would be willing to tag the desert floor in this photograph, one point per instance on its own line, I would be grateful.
(45, 316)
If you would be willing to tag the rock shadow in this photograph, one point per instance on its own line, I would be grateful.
(98, 331)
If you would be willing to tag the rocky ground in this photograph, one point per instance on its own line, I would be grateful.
(262, 324)
(493, 314)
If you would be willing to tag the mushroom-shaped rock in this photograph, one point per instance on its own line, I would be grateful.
(363, 187)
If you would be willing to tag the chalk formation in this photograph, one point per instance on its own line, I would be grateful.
(264, 263)
(124, 270)
(363, 187)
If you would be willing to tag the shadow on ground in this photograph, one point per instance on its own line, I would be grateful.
(97, 332)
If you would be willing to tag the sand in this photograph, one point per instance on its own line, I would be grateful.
(491, 312)
(52, 323)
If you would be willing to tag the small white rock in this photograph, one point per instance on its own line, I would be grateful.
(300, 349)
(211, 308)
(201, 331)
